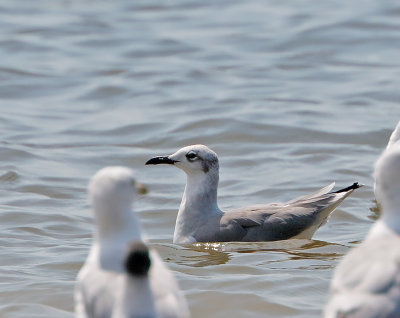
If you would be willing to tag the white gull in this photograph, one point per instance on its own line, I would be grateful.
(121, 277)
(366, 283)
(200, 219)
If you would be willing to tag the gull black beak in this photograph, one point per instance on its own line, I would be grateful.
(160, 160)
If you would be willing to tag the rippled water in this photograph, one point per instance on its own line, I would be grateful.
(291, 95)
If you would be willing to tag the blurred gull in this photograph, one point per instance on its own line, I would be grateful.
(366, 283)
(121, 277)
(200, 220)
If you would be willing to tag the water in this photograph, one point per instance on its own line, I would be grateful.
(290, 95)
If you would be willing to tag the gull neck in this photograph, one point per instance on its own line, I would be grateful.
(118, 222)
(199, 204)
(200, 193)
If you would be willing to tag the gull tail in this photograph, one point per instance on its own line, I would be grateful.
(337, 199)
(323, 204)
(326, 191)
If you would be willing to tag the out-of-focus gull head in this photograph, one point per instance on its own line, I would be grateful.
(387, 176)
(112, 186)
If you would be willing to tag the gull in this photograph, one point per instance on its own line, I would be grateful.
(200, 219)
(122, 277)
(366, 283)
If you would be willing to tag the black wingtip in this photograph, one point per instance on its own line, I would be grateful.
(354, 186)
(137, 262)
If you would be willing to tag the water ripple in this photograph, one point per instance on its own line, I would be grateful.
(291, 96)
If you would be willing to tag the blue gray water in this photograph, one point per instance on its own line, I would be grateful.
(291, 95)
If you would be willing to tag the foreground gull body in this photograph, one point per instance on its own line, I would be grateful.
(366, 283)
(121, 277)
(200, 220)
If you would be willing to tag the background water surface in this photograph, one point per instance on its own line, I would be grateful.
(291, 95)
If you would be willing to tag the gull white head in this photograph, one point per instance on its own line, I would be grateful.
(195, 159)
(111, 193)
(387, 174)
(112, 186)
(394, 137)
(199, 200)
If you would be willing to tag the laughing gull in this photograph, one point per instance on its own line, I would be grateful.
(200, 220)
(121, 277)
(366, 283)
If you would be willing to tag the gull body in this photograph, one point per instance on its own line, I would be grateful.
(366, 283)
(201, 220)
(105, 288)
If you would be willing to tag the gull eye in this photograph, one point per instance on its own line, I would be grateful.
(191, 156)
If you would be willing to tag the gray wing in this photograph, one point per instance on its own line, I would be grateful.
(272, 223)
(279, 222)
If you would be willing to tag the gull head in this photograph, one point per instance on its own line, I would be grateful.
(387, 176)
(112, 188)
(195, 159)
(394, 137)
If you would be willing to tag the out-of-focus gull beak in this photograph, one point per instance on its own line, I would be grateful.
(141, 188)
